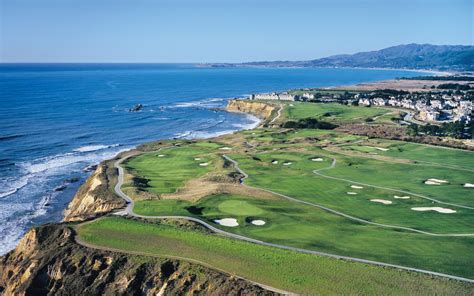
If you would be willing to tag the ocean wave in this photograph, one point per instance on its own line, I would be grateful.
(10, 137)
(202, 134)
(254, 122)
(12, 185)
(91, 148)
(206, 103)
(52, 163)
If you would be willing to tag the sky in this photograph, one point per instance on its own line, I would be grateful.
(171, 31)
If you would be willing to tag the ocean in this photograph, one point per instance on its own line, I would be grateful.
(57, 120)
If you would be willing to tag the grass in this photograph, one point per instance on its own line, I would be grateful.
(169, 169)
(296, 272)
(331, 112)
(303, 226)
(298, 180)
(418, 152)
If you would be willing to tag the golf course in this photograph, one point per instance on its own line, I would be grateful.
(279, 205)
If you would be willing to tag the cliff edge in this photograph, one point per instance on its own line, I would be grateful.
(259, 109)
(48, 261)
(95, 197)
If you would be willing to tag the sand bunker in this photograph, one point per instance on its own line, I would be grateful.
(357, 187)
(384, 201)
(225, 148)
(469, 185)
(197, 158)
(437, 209)
(161, 155)
(433, 181)
(378, 148)
(204, 164)
(287, 163)
(351, 193)
(258, 222)
(275, 162)
(317, 159)
(401, 197)
(229, 222)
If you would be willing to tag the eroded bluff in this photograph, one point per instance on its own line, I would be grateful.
(48, 261)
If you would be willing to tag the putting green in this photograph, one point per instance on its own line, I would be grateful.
(239, 208)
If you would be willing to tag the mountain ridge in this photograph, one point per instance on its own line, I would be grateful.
(404, 56)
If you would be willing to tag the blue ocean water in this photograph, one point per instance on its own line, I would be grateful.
(58, 119)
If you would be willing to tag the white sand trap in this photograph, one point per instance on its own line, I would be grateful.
(275, 162)
(469, 185)
(197, 158)
(437, 180)
(291, 105)
(351, 193)
(357, 187)
(258, 222)
(317, 159)
(427, 182)
(161, 155)
(401, 197)
(378, 148)
(437, 209)
(287, 163)
(229, 222)
(204, 164)
(384, 201)
(225, 148)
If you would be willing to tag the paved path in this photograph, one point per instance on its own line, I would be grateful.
(317, 172)
(129, 211)
(278, 114)
(341, 213)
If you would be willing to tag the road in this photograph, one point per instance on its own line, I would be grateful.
(129, 211)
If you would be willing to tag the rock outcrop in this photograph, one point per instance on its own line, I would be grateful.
(48, 261)
(259, 109)
(94, 198)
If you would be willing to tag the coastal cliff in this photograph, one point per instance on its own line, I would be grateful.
(94, 197)
(48, 261)
(259, 109)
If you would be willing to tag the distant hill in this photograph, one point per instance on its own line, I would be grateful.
(411, 56)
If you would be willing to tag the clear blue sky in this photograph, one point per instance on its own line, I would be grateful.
(222, 30)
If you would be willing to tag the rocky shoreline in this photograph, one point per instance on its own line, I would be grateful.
(48, 260)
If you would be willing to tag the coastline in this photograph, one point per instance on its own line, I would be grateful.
(427, 71)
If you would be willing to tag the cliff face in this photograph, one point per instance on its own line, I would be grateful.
(259, 109)
(47, 261)
(94, 198)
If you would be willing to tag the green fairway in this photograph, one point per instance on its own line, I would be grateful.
(331, 112)
(296, 272)
(303, 226)
(379, 181)
(169, 169)
(298, 180)
(441, 156)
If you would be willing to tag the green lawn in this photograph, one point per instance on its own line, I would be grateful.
(298, 180)
(169, 168)
(304, 226)
(331, 112)
(296, 272)
(442, 156)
